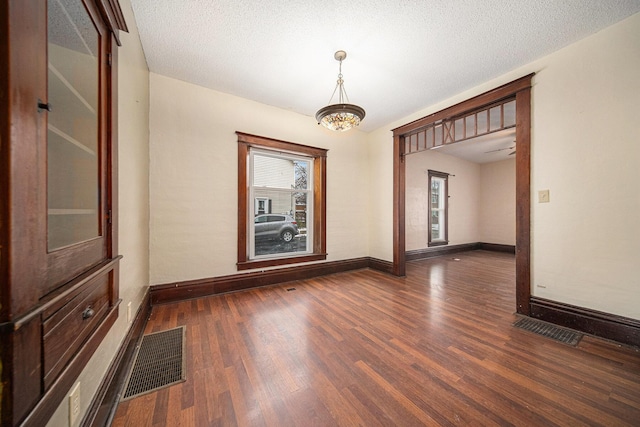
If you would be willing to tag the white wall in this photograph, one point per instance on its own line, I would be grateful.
(497, 205)
(464, 198)
(586, 151)
(193, 178)
(133, 197)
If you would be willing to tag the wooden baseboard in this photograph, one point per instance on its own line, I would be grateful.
(604, 325)
(380, 265)
(439, 251)
(496, 247)
(105, 401)
(435, 251)
(180, 291)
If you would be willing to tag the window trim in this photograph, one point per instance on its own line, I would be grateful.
(245, 143)
(445, 177)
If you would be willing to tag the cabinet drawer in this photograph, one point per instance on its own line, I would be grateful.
(65, 330)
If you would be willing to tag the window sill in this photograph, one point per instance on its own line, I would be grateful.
(438, 243)
(248, 265)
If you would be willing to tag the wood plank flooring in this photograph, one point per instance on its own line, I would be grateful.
(367, 349)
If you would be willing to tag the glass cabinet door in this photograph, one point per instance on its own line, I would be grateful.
(73, 128)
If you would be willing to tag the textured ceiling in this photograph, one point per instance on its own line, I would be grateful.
(403, 55)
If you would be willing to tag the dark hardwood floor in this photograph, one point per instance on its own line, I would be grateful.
(365, 348)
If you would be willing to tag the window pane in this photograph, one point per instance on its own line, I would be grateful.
(470, 124)
(281, 234)
(301, 174)
(275, 172)
(438, 136)
(301, 213)
(435, 225)
(459, 129)
(435, 193)
(421, 141)
(495, 118)
(274, 201)
(510, 114)
(281, 187)
(482, 122)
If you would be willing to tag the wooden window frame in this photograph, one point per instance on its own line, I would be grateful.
(245, 206)
(445, 177)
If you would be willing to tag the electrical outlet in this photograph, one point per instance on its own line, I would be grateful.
(543, 196)
(74, 405)
(129, 312)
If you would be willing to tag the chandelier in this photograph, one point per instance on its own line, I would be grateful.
(341, 116)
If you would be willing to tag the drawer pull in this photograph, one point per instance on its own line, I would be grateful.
(89, 312)
(43, 106)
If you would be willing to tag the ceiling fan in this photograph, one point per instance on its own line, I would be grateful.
(513, 147)
(502, 149)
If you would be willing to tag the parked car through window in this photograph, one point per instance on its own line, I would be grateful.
(272, 227)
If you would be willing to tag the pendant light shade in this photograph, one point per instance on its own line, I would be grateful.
(341, 116)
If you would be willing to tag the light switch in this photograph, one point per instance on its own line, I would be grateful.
(543, 196)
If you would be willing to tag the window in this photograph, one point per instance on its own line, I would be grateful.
(263, 205)
(438, 207)
(281, 202)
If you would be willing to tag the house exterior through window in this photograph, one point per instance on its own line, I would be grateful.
(280, 184)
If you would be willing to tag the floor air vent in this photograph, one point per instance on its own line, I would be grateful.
(159, 363)
(566, 336)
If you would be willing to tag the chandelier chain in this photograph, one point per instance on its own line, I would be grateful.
(342, 93)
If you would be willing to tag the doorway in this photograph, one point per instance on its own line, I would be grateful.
(520, 90)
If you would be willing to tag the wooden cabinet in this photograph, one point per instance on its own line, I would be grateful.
(58, 216)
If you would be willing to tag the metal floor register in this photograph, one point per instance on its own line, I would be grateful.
(159, 363)
(566, 336)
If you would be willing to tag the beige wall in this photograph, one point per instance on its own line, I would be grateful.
(497, 206)
(464, 198)
(482, 200)
(193, 178)
(133, 197)
(380, 177)
(585, 150)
